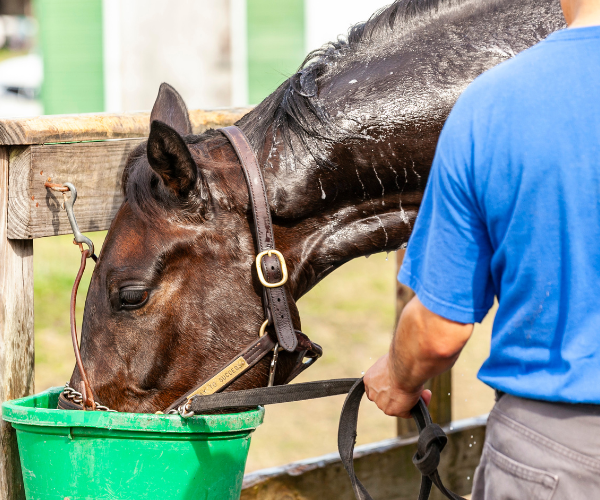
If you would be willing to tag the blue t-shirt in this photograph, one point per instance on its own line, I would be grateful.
(512, 209)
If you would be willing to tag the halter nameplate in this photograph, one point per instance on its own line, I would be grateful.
(221, 379)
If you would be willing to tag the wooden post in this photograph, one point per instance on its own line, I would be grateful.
(16, 335)
(441, 386)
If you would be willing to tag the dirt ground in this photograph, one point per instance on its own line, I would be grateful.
(351, 314)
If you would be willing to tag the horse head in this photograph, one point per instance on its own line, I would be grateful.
(174, 293)
(345, 147)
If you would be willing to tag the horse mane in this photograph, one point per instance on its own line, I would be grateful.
(293, 109)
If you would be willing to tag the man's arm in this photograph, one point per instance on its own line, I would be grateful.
(424, 345)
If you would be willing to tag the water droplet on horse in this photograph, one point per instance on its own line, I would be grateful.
(323, 195)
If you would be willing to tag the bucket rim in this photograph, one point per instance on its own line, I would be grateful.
(34, 410)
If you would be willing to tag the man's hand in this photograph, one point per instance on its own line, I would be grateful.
(384, 391)
(424, 346)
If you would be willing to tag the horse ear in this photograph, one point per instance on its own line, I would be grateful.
(171, 159)
(170, 108)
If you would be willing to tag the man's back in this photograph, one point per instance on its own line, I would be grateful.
(518, 170)
(512, 209)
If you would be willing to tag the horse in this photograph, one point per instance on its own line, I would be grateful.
(345, 146)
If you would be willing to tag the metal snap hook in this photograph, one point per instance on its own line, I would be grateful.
(273, 367)
(69, 202)
(185, 410)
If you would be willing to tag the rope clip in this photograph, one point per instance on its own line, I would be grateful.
(69, 201)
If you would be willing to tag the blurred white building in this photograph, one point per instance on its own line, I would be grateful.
(183, 42)
(201, 46)
(112, 55)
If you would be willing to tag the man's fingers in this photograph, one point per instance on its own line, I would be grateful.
(426, 395)
(367, 392)
(383, 391)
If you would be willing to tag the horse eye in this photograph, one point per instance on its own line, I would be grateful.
(132, 298)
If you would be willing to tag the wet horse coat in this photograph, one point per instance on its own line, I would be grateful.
(345, 146)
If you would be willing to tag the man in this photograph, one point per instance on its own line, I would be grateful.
(512, 209)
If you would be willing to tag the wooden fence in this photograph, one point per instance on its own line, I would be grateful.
(90, 151)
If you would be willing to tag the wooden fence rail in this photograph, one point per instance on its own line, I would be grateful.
(90, 151)
(385, 468)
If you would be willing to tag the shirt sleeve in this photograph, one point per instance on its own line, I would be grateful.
(447, 262)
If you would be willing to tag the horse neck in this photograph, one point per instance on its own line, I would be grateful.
(391, 96)
(325, 216)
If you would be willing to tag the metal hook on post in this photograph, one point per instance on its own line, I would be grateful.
(80, 239)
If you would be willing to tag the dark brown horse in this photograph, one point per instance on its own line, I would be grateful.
(345, 146)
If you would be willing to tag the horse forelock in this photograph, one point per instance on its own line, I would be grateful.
(150, 199)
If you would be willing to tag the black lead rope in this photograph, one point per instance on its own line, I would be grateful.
(272, 395)
(432, 438)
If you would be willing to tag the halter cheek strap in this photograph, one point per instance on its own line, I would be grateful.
(270, 263)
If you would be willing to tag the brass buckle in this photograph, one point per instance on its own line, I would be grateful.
(261, 276)
(263, 327)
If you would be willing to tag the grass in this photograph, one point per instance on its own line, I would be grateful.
(55, 263)
(351, 314)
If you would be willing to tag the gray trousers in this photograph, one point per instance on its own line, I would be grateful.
(537, 450)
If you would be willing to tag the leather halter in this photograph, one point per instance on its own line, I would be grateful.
(272, 273)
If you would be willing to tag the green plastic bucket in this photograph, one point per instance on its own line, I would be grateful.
(100, 455)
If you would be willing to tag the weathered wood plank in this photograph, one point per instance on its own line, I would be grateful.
(385, 468)
(94, 127)
(16, 336)
(441, 386)
(95, 168)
